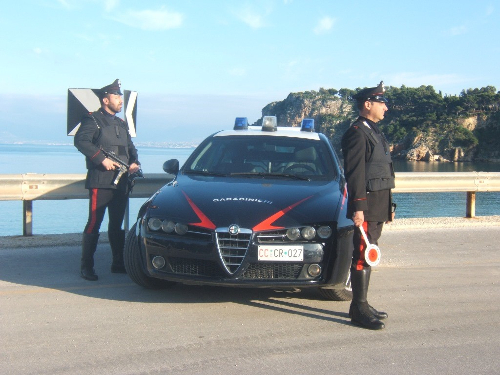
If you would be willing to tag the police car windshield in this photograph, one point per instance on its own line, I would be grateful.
(263, 156)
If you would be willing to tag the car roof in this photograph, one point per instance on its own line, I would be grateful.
(282, 131)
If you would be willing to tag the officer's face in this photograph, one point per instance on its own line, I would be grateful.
(375, 110)
(113, 103)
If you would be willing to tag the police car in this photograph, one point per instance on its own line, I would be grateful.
(253, 206)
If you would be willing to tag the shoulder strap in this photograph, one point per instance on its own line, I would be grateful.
(97, 139)
(369, 133)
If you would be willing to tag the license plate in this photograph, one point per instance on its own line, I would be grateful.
(280, 253)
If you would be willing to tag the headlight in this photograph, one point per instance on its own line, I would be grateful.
(324, 232)
(168, 226)
(154, 223)
(308, 233)
(293, 234)
(181, 228)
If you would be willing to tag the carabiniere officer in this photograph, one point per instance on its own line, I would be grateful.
(370, 177)
(103, 128)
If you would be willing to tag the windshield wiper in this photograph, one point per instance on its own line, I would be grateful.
(262, 174)
(205, 173)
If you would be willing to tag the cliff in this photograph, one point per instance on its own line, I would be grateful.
(420, 124)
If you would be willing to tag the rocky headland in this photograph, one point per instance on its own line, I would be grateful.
(421, 124)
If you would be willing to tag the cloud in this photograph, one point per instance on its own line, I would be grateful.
(64, 3)
(160, 19)
(110, 5)
(252, 18)
(85, 37)
(238, 72)
(324, 25)
(458, 30)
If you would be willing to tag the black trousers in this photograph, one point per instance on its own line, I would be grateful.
(115, 200)
(373, 230)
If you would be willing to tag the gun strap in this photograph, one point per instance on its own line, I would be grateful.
(98, 128)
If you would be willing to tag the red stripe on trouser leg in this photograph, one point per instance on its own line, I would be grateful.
(362, 247)
(93, 214)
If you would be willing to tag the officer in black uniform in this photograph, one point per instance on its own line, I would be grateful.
(103, 129)
(370, 178)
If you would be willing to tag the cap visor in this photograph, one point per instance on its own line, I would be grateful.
(380, 99)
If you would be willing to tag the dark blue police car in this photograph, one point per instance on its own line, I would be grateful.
(253, 206)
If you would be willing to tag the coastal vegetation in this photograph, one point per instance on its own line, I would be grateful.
(421, 124)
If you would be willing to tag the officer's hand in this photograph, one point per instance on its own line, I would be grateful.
(393, 215)
(133, 168)
(359, 218)
(109, 164)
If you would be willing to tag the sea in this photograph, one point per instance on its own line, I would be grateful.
(70, 216)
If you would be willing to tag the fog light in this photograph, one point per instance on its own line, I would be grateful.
(324, 232)
(158, 262)
(154, 223)
(181, 228)
(308, 233)
(293, 234)
(314, 270)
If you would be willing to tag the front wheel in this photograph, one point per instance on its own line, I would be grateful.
(134, 266)
(338, 294)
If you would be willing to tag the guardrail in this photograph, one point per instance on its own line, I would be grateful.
(33, 186)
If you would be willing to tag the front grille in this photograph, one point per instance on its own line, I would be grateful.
(271, 236)
(196, 267)
(285, 271)
(232, 247)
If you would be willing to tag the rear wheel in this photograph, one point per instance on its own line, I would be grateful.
(338, 294)
(134, 264)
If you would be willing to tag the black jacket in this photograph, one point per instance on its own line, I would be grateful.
(367, 163)
(101, 129)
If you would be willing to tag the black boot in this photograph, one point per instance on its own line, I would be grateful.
(117, 241)
(360, 309)
(377, 314)
(89, 246)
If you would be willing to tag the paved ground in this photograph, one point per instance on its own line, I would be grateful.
(440, 287)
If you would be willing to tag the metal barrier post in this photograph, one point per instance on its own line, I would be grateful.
(27, 218)
(470, 210)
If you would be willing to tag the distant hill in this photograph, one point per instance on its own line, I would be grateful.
(421, 124)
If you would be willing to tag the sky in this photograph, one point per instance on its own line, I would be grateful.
(198, 64)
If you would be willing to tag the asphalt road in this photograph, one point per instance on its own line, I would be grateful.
(440, 288)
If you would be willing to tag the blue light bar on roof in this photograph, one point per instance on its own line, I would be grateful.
(241, 123)
(307, 125)
(269, 123)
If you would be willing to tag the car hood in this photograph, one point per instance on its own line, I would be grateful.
(257, 204)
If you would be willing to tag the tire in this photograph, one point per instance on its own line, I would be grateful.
(338, 294)
(134, 264)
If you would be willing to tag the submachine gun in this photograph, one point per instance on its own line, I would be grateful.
(122, 169)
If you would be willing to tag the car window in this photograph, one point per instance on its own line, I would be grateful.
(262, 155)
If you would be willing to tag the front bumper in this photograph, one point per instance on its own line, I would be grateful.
(200, 258)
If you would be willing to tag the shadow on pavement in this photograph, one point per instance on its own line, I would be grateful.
(56, 269)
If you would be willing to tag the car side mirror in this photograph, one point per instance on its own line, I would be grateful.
(171, 166)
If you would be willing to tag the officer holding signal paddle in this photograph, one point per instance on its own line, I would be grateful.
(370, 177)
